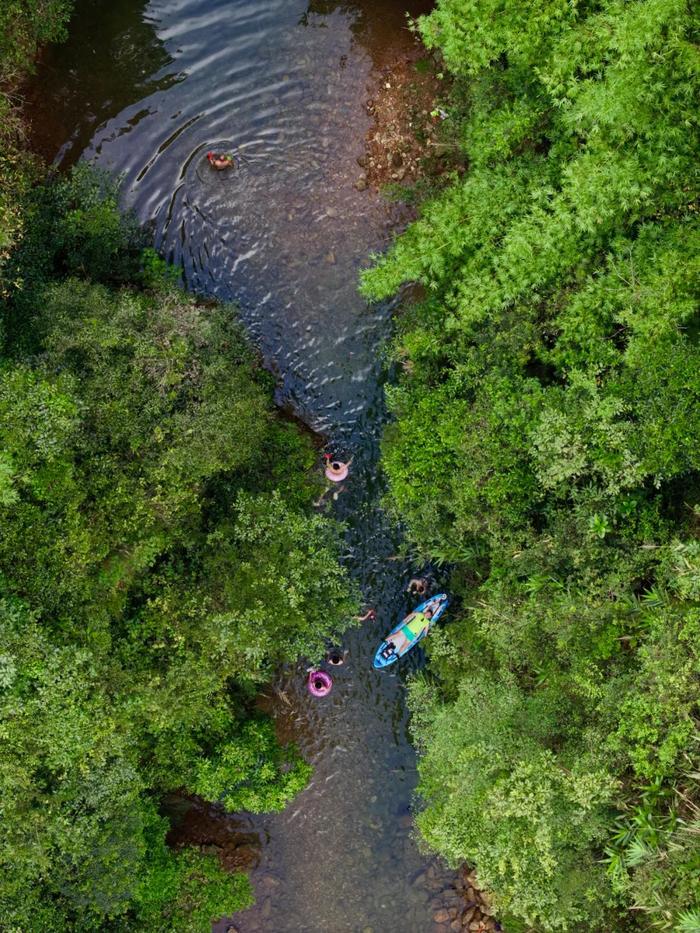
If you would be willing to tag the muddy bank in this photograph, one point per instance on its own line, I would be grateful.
(410, 141)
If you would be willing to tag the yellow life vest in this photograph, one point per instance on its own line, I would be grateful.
(417, 624)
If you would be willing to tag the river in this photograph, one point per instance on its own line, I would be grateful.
(145, 90)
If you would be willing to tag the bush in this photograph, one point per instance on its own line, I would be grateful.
(153, 549)
(545, 446)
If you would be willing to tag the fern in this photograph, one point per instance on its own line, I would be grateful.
(688, 922)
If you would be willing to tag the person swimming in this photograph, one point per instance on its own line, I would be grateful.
(336, 470)
(336, 657)
(418, 586)
(220, 160)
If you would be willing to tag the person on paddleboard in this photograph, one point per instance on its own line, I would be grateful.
(415, 626)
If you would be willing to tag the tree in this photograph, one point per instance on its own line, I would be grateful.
(157, 563)
(552, 373)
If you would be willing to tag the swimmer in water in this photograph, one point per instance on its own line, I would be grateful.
(337, 657)
(336, 471)
(418, 586)
(220, 160)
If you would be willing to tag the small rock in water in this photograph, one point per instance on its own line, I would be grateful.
(361, 183)
(441, 915)
(367, 929)
(269, 881)
(330, 258)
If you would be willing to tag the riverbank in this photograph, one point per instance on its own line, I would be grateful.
(22, 32)
(408, 147)
(552, 372)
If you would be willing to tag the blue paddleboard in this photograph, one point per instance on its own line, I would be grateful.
(410, 630)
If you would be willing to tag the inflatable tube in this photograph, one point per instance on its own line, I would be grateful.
(319, 683)
(336, 471)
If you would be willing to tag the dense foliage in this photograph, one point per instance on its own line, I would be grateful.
(546, 445)
(24, 25)
(159, 556)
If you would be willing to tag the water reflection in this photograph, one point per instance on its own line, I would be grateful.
(376, 26)
(112, 58)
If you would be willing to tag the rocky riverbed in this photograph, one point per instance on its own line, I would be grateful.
(456, 903)
(410, 138)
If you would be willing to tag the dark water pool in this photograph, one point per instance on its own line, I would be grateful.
(146, 90)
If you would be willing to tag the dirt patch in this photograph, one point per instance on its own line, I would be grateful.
(195, 822)
(457, 904)
(411, 137)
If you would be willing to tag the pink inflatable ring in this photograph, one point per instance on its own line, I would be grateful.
(319, 683)
(336, 471)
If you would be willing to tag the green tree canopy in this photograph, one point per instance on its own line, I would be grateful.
(159, 558)
(545, 445)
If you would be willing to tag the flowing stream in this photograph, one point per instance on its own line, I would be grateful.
(145, 90)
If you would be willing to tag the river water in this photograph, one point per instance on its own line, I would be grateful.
(145, 90)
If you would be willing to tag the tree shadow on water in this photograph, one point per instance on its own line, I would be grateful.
(111, 59)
